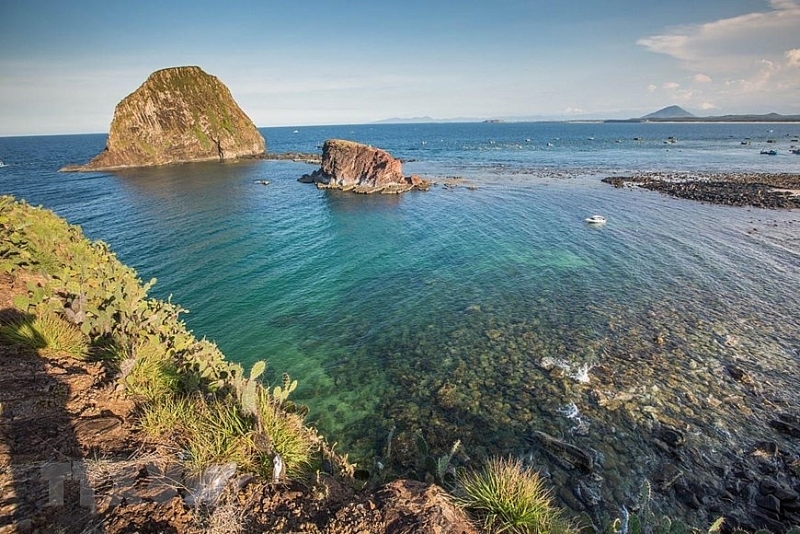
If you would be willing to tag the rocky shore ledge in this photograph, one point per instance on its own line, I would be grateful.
(761, 190)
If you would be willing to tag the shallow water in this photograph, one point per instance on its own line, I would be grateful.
(480, 313)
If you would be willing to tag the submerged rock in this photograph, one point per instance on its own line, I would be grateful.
(565, 454)
(360, 168)
(177, 115)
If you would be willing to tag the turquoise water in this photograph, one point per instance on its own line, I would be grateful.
(443, 312)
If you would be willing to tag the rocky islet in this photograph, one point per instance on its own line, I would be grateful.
(360, 168)
(178, 115)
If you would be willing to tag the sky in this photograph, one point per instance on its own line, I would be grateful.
(65, 65)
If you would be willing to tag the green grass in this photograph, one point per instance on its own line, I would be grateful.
(154, 374)
(216, 431)
(211, 432)
(288, 436)
(190, 397)
(48, 334)
(509, 497)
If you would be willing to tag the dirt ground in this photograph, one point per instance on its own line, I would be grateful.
(72, 460)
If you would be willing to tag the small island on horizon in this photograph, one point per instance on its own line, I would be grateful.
(672, 113)
(678, 114)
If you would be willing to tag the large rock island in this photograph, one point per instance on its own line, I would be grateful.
(178, 115)
(360, 168)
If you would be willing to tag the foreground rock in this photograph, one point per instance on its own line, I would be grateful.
(761, 190)
(351, 166)
(178, 115)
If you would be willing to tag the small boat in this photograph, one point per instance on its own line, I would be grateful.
(2, 164)
(596, 219)
(769, 152)
(262, 182)
(795, 151)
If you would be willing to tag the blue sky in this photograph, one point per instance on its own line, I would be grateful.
(65, 65)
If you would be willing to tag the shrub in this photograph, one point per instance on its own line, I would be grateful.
(510, 498)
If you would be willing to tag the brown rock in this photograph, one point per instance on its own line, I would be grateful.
(178, 115)
(360, 168)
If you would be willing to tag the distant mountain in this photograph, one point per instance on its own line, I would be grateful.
(669, 112)
(655, 117)
(406, 120)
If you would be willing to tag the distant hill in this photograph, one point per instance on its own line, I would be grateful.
(678, 114)
(406, 120)
(669, 112)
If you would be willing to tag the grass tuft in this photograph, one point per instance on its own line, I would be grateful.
(509, 497)
(288, 435)
(48, 334)
(154, 374)
(216, 431)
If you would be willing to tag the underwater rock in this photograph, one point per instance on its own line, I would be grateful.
(666, 476)
(565, 454)
(739, 374)
(671, 436)
(785, 427)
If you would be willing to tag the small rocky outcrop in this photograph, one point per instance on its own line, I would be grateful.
(178, 115)
(761, 190)
(360, 168)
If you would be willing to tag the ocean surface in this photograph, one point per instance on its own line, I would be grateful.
(485, 309)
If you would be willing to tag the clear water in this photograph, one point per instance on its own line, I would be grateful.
(442, 312)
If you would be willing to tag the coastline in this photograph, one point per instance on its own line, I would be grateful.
(78, 447)
(619, 222)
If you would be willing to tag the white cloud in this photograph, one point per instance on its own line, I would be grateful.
(671, 85)
(730, 60)
(793, 56)
(722, 44)
(651, 88)
(573, 110)
(705, 106)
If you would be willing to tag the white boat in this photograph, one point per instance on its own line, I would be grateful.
(596, 219)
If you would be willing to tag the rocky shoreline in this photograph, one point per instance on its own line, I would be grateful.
(299, 157)
(760, 190)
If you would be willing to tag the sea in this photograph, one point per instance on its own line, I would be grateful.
(485, 311)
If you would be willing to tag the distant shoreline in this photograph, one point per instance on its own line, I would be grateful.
(728, 119)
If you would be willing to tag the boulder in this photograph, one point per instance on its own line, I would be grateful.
(360, 168)
(177, 115)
